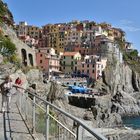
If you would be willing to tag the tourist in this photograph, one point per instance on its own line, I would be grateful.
(6, 87)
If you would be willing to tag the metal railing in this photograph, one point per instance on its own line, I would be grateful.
(43, 117)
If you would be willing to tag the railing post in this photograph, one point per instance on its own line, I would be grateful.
(33, 128)
(26, 104)
(20, 102)
(47, 122)
(78, 133)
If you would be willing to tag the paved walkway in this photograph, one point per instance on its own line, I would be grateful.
(12, 125)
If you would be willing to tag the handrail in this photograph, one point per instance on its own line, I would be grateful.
(62, 125)
(89, 129)
(53, 117)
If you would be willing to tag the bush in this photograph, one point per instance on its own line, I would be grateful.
(134, 54)
(7, 48)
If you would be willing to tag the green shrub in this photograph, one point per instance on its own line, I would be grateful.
(7, 48)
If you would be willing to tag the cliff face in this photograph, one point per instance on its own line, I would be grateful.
(120, 78)
(122, 84)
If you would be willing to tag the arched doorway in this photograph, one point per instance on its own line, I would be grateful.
(24, 57)
(30, 59)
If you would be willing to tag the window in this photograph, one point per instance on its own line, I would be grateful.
(88, 65)
(83, 65)
(71, 57)
(93, 70)
(40, 55)
(40, 61)
(64, 68)
(82, 71)
(93, 65)
(87, 71)
(71, 62)
(64, 57)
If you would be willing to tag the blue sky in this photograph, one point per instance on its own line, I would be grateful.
(120, 13)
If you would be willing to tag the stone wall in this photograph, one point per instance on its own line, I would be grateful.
(19, 45)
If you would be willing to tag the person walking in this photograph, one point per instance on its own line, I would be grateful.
(6, 87)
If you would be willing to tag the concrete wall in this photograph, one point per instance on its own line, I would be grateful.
(81, 101)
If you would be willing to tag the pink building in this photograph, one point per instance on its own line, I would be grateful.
(92, 66)
(47, 60)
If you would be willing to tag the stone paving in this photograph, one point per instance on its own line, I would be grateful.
(12, 125)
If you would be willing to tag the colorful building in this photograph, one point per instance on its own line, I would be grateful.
(69, 61)
(51, 36)
(92, 66)
(23, 29)
(47, 60)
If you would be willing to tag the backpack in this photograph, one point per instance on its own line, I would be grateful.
(18, 81)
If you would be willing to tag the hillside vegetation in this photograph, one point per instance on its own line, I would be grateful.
(132, 60)
(5, 14)
(7, 48)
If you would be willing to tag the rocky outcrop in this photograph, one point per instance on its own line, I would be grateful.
(35, 80)
(121, 85)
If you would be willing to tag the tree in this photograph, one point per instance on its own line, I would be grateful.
(134, 54)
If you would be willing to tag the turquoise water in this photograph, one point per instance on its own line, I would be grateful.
(133, 122)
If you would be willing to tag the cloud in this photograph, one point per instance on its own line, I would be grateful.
(128, 25)
(125, 21)
(131, 28)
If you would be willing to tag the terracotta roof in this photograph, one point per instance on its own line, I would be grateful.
(69, 53)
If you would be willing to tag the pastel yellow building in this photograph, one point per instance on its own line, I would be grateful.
(69, 61)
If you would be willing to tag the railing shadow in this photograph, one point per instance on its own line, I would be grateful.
(7, 127)
(8, 130)
(29, 132)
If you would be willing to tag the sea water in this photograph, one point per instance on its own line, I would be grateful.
(133, 122)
